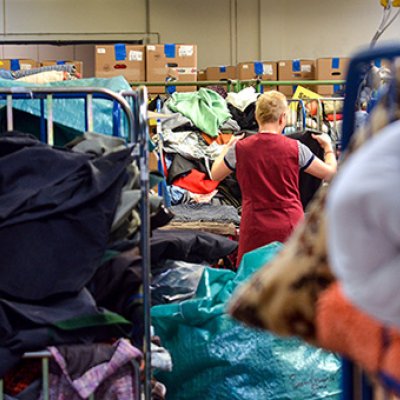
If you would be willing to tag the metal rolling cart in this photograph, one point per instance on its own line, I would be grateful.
(129, 116)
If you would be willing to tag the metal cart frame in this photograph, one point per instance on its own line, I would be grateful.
(135, 114)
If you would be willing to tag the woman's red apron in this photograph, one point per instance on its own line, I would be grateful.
(267, 170)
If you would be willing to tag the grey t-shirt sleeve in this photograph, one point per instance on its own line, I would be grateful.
(230, 158)
(306, 156)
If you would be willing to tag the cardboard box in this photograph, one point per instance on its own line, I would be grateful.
(330, 69)
(120, 59)
(78, 64)
(17, 64)
(168, 62)
(221, 73)
(263, 70)
(202, 75)
(295, 70)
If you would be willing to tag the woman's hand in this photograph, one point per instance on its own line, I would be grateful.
(234, 139)
(324, 141)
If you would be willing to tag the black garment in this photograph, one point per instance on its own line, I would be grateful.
(56, 211)
(152, 106)
(229, 192)
(182, 166)
(190, 246)
(308, 183)
(117, 287)
(118, 281)
(246, 119)
(32, 327)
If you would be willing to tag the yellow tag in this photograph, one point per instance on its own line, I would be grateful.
(303, 93)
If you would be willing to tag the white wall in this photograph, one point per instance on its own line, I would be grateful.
(74, 16)
(202, 22)
(318, 28)
(226, 31)
(269, 29)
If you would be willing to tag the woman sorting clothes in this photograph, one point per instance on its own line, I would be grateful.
(267, 167)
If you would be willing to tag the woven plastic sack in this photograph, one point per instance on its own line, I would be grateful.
(217, 358)
(71, 112)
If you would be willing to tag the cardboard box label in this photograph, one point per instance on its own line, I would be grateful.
(245, 66)
(268, 69)
(282, 64)
(183, 71)
(101, 50)
(25, 66)
(151, 48)
(306, 68)
(185, 51)
(135, 55)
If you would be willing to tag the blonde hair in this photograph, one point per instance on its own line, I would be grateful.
(270, 106)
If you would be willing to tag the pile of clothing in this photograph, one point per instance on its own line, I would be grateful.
(47, 74)
(65, 217)
(192, 133)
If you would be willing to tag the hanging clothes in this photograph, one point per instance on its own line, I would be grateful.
(268, 175)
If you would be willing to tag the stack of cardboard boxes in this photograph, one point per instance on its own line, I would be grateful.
(151, 63)
(285, 70)
(178, 63)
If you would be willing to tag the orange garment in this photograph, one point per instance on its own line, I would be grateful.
(223, 138)
(343, 328)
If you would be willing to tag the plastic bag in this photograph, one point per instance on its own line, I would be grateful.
(217, 358)
(177, 282)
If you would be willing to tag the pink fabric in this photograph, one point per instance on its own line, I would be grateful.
(111, 380)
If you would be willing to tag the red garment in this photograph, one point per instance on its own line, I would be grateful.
(267, 170)
(331, 117)
(196, 182)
